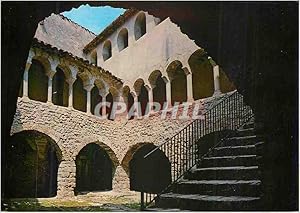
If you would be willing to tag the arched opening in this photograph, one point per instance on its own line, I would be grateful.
(32, 165)
(159, 87)
(94, 169)
(152, 174)
(106, 52)
(60, 89)
(79, 95)
(203, 79)
(94, 57)
(123, 39)
(37, 82)
(140, 26)
(178, 82)
(95, 99)
(143, 99)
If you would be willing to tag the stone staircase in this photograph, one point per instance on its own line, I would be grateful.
(228, 178)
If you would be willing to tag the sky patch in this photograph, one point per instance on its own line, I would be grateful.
(95, 19)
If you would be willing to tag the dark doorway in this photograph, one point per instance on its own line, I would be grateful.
(143, 100)
(152, 174)
(94, 169)
(159, 92)
(60, 89)
(79, 95)
(32, 165)
(37, 82)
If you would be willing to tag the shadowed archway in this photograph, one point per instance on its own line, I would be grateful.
(33, 160)
(94, 169)
(152, 174)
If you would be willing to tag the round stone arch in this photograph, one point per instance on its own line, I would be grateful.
(28, 150)
(44, 61)
(149, 175)
(177, 75)
(55, 136)
(102, 142)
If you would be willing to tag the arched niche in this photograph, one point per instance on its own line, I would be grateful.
(140, 26)
(122, 39)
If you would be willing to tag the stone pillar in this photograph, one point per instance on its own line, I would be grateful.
(121, 180)
(103, 107)
(136, 105)
(168, 93)
(189, 84)
(50, 77)
(71, 82)
(66, 179)
(88, 89)
(216, 74)
(150, 98)
(25, 79)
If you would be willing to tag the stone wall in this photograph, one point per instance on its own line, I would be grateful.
(72, 130)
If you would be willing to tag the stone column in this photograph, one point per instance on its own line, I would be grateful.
(216, 74)
(50, 77)
(168, 93)
(150, 98)
(189, 84)
(71, 82)
(88, 89)
(120, 180)
(104, 107)
(66, 179)
(25, 79)
(136, 105)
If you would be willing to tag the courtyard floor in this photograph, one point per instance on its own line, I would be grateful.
(96, 201)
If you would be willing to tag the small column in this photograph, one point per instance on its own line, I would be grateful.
(71, 82)
(136, 105)
(103, 107)
(88, 89)
(50, 77)
(189, 84)
(216, 73)
(168, 93)
(25, 79)
(150, 99)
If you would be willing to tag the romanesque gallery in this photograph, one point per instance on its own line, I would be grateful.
(61, 146)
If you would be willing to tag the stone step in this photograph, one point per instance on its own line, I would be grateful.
(248, 125)
(245, 132)
(219, 187)
(224, 173)
(241, 141)
(207, 202)
(240, 160)
(233, 151)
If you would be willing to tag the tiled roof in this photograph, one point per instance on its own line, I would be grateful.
(63, 53)
(110, 29)
(61, 32)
